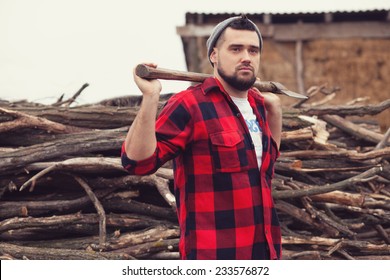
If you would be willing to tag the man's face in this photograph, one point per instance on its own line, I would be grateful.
(236, 57)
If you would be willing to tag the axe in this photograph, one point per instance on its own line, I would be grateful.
(147, 72)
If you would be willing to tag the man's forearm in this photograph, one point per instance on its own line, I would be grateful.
(141, 141)
(275, 124)
(273, 106)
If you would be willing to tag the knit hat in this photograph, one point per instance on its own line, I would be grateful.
(217, 31)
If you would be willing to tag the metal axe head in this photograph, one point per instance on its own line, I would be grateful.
(283, 90)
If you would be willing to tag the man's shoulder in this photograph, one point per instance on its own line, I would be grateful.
(256, 94)
(191, 94)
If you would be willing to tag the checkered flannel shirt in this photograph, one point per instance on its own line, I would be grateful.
(224, 204)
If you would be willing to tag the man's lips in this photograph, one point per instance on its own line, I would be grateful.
(245, 68)
(245, 71)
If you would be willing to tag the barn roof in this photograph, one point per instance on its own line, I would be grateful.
(283, 18)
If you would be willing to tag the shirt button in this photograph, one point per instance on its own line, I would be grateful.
(266, 231)
(238, 115)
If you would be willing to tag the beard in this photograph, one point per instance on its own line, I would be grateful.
(236, 82)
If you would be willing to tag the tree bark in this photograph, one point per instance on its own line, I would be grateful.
(78, 144)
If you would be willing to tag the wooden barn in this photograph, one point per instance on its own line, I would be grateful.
(349, 51)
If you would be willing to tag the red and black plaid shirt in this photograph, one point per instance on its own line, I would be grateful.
(224, 203)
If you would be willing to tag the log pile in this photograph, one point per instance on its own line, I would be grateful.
(64, 194)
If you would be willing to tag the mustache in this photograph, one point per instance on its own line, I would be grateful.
(245, 66)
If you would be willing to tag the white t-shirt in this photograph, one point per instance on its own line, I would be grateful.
(252, 124)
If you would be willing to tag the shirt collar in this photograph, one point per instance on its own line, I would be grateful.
(210, 84)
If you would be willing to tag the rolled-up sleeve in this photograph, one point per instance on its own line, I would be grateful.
(172, 133)
(140, 167)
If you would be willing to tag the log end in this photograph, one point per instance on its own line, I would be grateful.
(142, 70)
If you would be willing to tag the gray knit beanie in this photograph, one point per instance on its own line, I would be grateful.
(217, 31)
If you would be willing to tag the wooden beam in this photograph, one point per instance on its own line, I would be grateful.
(328, 17)
(304, 31)
(267, 19)
(299, 64)
(340, 30)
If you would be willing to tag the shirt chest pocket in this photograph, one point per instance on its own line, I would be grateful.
(228, 151)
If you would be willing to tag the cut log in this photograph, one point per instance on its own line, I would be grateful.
(35, 253)
(353, 129)
(78, 144)
(23, 120)
(347, 110)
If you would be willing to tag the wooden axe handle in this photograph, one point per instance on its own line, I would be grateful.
(148, 72)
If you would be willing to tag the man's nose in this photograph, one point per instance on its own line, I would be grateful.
(245, 56)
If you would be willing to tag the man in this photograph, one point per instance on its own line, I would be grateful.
(224, 137)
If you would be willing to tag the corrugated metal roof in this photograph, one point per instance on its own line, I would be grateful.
(335, 16)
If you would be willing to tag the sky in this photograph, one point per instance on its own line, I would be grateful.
(53, 47)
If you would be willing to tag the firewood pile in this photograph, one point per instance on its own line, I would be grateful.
(65, 195)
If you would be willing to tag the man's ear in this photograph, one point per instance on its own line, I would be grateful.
(213, 56)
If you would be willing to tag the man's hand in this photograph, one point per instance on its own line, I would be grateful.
(272, 102)
(149, 88)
